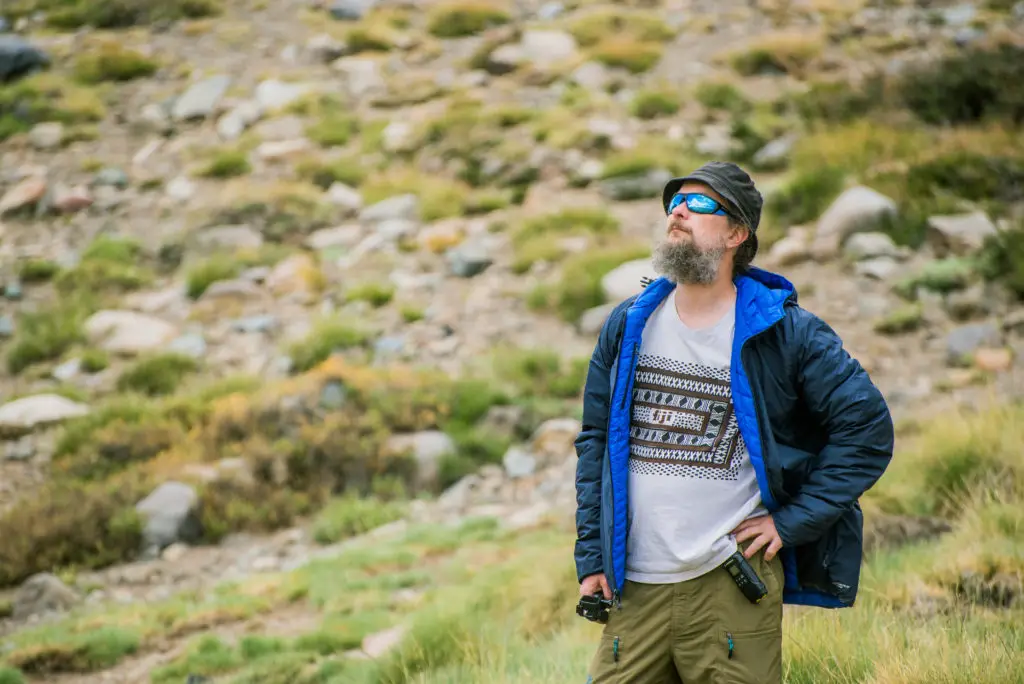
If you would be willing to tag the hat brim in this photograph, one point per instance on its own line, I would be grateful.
(716, 184)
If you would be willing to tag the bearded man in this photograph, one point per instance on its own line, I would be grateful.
(727, 438)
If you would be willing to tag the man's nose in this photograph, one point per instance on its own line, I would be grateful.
(682, 211)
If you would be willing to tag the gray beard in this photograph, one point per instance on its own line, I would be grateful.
(686, 264)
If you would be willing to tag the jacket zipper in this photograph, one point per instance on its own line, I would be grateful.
(632, 369)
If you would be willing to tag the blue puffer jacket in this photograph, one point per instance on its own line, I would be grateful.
(818, 433)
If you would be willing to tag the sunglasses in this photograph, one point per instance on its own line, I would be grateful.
(698, 203)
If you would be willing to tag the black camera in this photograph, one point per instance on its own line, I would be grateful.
(745, 578)
(594, 608)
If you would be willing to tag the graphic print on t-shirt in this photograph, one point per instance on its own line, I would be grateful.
(683, 421)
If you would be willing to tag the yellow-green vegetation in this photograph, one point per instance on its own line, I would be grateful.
(351, 515)
(111, 61)
(284, 212)
(496, 605)
(72, 14)
(374, 293)
(790, 53)
(227, 163)
(380, 30)
(324, 173)
(540, 238)
(327, 336)
(906, 318)
(439, 197)
(37, 270)
(157, 374)
(457, 18)
(578, 286)
(44, 335)
(227, 265)
(631, 39)
(108, 265)
(45, 97)
(651, 104)
(333, 125)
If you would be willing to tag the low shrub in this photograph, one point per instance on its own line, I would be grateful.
(109, 265)
(108, 14)
(785, 53)
(283, 212)
(1002, 259)
(227, 164)
(325, 173)
(537, 238)
(644, 27)
(805, 197)
(458, 18)
(627, 53)
(351, 515)
(43, 97)
(113, 62)
(326, 337)
(158, 374)
(966, 86)
(38, 270)
(375, 294)
(44, 336)
(66, 525)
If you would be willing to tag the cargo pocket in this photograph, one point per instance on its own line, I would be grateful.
(750, 656)
(605, 664)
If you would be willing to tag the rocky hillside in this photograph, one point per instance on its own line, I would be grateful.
(272, 274)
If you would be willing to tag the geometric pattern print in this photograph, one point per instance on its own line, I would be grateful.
(683, 422)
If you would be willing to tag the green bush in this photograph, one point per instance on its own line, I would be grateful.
(1002, 259)
(805, 197)
(352, 515)
(651, 104)
(967, 86)
(107, 14)
(44, 336)
(724, 96)
(207, 272)
(64, 525)
(113, 62)
(465, 18)
(541, 372)
(108, 265)
(537, 238)
(970, 175)
(376, 294)
(38, 270)
(10, 675)
(227, 164)
(157, 375)
(45, 97)
(326, 337)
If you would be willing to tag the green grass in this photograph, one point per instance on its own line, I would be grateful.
(537, 239)
(326, 336)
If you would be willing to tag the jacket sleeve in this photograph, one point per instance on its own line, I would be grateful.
(842, 398)
(590, 445)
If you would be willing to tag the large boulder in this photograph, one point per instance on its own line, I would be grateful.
(856, 210)
(625, 280)
(19, 58)
(23, 415)
(128, 332)
(428, 448)
(959, 234)
(171, 514)
(41, 594)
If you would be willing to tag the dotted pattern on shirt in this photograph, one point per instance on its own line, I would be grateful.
(683, 423)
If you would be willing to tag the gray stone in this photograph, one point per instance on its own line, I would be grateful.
(870, 245)
(67, 370)
(6, 326)
(256, 324)
(791, 249)
(235, 237)
(171, 515)
(716, 140)
(552, 441)
(20, 450)
(969, 303)
(504, 421)
(189, 344)
(428, 448)
(362, 75)
(24, 415)
(47, 136)
(111, 176)
(235, 122)
(351, 10)
(878, 268)
(273, 95)
(341, 195)
(624, 281)
(333, 395)
(324, 48)
(468, 260)
(41, 594)
(519, 462)
(959, 15)
(550, 10)
(388, 347)
(962, 342)
(13, 291)
(128, 332)
(591, 75)
(593, 319)
(18, 58)
(776, 153)
(180, 188)
(201, 99)
(395, 229)
(339, 236)
(543, 47)
(280, 128)
(959, 234)
(405, 207)
(857, 210)
(642, 186)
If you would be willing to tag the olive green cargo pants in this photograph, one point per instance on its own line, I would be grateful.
(701, 631)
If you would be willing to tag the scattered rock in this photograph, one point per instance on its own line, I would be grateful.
(232, 237)
(351, 10)
(963, 342)
(180, 189)
(349, 199)
(190, 344)
(67, 370)
(959, 234)
(519, 462)
(23, 415)
(553, 441)
(404, 207)
(20, 450)
(880, 268)
(70, 200)
(25, 194)
(276, 151)
(863, 246)
(295, 275)
(235, 122)
(639, 186)
(468, 260)
(128, 332)
(324, 48)
(792, 249)
(993, 360)
(47, 136)
(171, 515)
(362, 75)
(504, 421)
(969, 303)
(593, 319)
(624, 281)
(272, 95)
(41, 594)
(256, 324)
(201, 99)
(776, 153)
(6, 326)
(240, 290)
(856, 210)
(428, 448)
(339, 236)
(111, 176)
(19, 58)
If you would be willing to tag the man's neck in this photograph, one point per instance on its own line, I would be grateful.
(700, 306)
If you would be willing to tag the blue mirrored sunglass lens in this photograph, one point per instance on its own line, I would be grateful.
(676, 201)
(701, 204)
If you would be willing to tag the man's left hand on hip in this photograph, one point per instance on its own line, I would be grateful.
(762, 530)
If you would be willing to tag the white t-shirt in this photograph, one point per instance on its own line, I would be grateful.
(690, 478)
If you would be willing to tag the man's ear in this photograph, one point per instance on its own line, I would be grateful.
(739, 235)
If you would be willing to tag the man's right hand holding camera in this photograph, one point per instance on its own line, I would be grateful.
(592, 583)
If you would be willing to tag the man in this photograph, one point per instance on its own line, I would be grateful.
(719, 416)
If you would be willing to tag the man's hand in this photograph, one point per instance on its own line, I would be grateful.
(762, 530)
(591, 583)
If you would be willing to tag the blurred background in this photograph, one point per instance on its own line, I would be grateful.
(297, 301)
